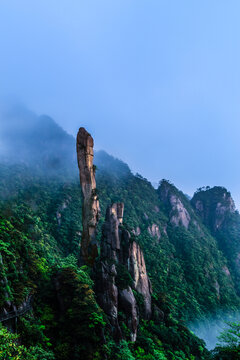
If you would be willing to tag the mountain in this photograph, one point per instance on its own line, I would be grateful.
(36, 141)
(217, 210)
(189, 249)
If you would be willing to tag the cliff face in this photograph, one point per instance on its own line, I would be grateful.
(141, 283)
(122, 270)
(110, 248)
(216, 208)
(90, 208)
(191, 238)
(178, 214)
(213, 206)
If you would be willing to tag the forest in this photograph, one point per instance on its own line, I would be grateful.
(49, 306)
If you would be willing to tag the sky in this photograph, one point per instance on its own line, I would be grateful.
(157, 83)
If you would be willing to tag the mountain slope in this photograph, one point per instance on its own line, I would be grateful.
(193, 273)
(216, 208)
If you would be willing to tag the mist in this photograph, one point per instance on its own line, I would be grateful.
(211, 327)
(153, 86)
(39, 143)
(35, 141)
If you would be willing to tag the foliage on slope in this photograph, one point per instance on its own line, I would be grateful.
(41, 226)
(35, 242)
(217, 211)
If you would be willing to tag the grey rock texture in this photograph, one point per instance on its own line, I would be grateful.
(118, 252)
(90, 209)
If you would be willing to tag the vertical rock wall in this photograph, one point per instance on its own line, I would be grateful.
(121, 258)
(119, 252)
(90, 209)
(141, 282)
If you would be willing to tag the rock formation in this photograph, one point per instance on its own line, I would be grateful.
(121, 255)
(217, 211)
(213, 206)
(110, 247)
(141, 283)
(178, 214)
(154, 231)
(90, 208)
(121, 269)
(137, 231)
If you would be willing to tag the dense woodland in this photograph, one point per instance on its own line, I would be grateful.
(194, 268)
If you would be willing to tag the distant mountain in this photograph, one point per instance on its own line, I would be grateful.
(36, 141)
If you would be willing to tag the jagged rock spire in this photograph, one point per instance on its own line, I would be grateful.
(90, 208)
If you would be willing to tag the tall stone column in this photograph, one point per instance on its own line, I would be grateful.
(90, 208)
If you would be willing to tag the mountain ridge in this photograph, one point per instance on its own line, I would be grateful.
(192, 272)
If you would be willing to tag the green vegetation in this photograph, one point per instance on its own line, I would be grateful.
(40, 234)
(229, 347)
(223, 222)
(11, 350)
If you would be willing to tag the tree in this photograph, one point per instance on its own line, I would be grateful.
(229, 347)
(11, 350)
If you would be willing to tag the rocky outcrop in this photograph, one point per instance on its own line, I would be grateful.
(121, 255)
(107, 294)
(121, 269)
(217, 287)
(178, 214)
(226, 271)
(90, 208)
(110, 248)
(154, 231)
(141, 283)
(137, 231)
(60, 210)
(216, 208)
(213, 205)
(128, 305)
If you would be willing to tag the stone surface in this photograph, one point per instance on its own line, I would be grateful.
(226, 270)
(119, 250)
(213, 206)
(154, 231)
(141, 282)
(128, 305)
(136, 231)
(178, 214)
(90, 209)
(107, 295)
(110, 247)
(60, 210)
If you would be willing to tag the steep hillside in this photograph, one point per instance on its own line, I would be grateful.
(45, 218)
(216, 208)
(208, 285)
(185, 245)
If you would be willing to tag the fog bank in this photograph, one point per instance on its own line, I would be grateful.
(210, 328)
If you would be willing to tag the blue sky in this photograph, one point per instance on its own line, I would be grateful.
(156, 82)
